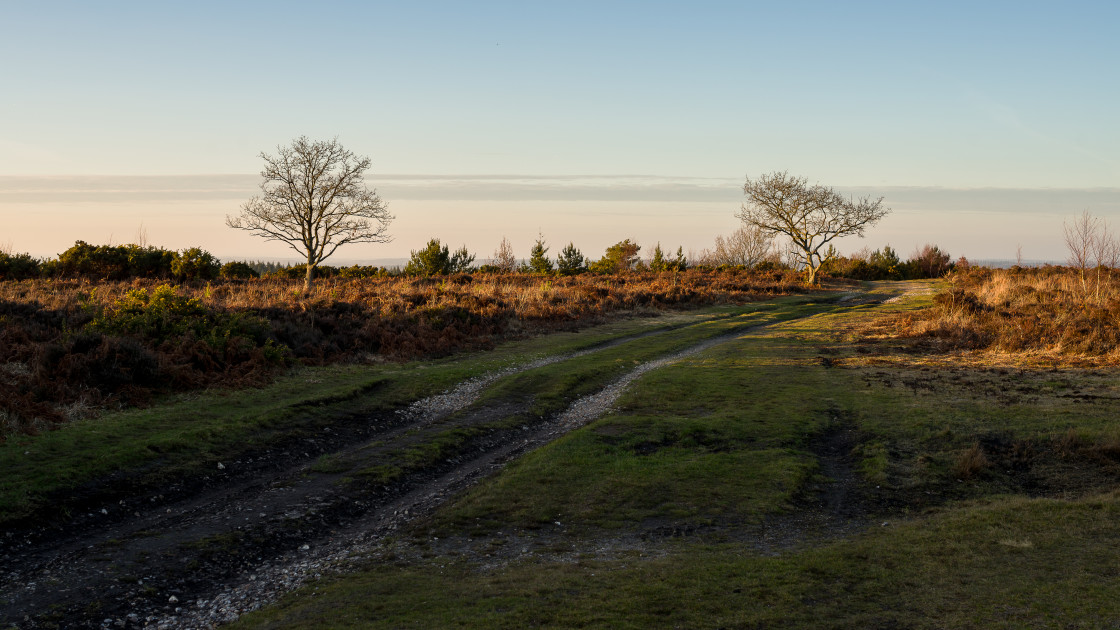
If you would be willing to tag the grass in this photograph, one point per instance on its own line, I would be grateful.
(1049, 315)
(186, 435)
(989, 502)
(1003, 564)
(73, 346)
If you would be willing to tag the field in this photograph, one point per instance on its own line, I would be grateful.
(69, 348)
(884, 455)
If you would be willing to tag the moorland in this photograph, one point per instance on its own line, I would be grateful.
(697, 448)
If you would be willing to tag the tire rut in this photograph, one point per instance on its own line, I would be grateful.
(260, 533)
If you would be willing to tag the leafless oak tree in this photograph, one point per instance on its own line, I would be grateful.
(811, 216)
(315, 200)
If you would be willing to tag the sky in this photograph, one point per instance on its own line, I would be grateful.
(983, 125)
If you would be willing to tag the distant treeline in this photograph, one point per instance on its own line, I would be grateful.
(120, 262)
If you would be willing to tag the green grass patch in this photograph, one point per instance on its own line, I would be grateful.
(186, 435)
(1010, 563)
(725, 439)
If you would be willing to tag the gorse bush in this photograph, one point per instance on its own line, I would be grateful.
(18, 266)
(237, 270)
(157, 315)
(118, 262)
(195, 264)
(164, 314)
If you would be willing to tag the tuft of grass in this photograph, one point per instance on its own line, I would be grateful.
(971, 462)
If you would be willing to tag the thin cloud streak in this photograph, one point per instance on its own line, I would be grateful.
(238, 188)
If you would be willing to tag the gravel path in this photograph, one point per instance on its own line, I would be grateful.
(269, 582)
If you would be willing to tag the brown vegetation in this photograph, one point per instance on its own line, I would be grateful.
(68, 347)
(1054, 312)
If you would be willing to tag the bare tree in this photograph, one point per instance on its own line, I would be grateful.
(811, 216)
(503, 257)
(1091, 245)
(315, 200)
(747, 246)
(1080, 238)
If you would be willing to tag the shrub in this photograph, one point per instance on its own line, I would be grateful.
(164, 314)
(102, 262)
(928, 262)
(112, 262)
(622, 256)
(299, 272)
(238, 270)
(149, 262)
(195, 264)
(363, 271)
(18, 266)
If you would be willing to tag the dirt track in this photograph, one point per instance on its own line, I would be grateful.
(196, 556)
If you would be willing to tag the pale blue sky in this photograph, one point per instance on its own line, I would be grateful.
(870, 96)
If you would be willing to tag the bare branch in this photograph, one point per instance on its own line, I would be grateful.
(811, 216)
(314, 199)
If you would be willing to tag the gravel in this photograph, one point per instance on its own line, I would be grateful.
(311, 561)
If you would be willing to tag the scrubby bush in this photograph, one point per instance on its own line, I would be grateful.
(103, 262)
(18, 266)
(237, 271)
(622, 256)
(164, 314)
(1018, 310)
(928, 262)
(195, 263)
(299, 272)
(363, 271)
(118, 262)
(149, 262)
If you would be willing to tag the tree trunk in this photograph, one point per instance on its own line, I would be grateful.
(811, 273)
(309, 277)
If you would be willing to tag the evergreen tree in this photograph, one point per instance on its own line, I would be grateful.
(657, 263)
(538, 261)
(570, 261)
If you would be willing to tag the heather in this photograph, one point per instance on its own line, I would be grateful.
(69, 347)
